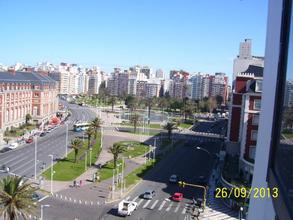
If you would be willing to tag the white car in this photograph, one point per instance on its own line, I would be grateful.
(13, 145)
(149, 194)
(173, 178)
(125, 208)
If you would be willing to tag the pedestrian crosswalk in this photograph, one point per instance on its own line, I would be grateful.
(212, 212)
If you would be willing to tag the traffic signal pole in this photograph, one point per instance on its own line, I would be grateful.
(183, 184)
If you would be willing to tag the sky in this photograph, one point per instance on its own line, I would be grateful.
(194, 35)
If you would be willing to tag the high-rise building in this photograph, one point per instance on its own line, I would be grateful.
(245, 58)
(94, 82)
(288, 102)
(152, 90)
(159, 74)
(117, 84)
(205, 85)
(197, 86)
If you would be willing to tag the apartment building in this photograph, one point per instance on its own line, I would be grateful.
(245, 58)
(205, 85)
(244, 118)
(26, 93)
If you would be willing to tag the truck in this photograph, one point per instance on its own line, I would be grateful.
(125, 208)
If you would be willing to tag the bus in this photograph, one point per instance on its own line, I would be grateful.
(81, 126)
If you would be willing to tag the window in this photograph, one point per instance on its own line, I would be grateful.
(281, 159)
(258, 86)
(257, 104)
(255, 119)
(253, 135)
(252, 152)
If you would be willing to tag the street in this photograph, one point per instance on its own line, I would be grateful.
(22, 160)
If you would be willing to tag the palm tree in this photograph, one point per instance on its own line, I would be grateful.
(90, 132)
(170, 126)
(134, 119)
(76, 144)
(112, 101)
(96, 124)
(116, 149)
(16, 198)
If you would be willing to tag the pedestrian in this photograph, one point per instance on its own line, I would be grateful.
(74, 183)
(80, 183)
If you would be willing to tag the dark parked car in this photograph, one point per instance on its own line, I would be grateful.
(5, 149)
(43, 134)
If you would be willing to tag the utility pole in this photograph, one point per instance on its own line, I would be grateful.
(113, 183)
(66, 140)
(91, 156)
(85, 162)
(36, 150)
(51, 172)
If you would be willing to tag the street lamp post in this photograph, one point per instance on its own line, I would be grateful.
(36, 150)
(66, 140)
(122, 177)
(240, 213)
(42, 211)
(91, 156)
(50, 155)
(85, 162)
(113, 182)
(101, 138)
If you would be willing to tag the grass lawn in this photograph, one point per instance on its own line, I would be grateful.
(289, 136)
(135, 148)
(156, 126)
(138, 173)
(67, 170)
(185, 125)
(106, 171)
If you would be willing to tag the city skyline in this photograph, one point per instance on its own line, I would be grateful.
(166, 36)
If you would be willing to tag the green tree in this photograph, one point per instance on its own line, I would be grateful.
(131, 102)
(28, 117)
(134, 120)
(219, 100)
(170, 126)
(112, 101)
(16, 198)
(116, 150)
(89, 132)
(96, 124)
(76, 144)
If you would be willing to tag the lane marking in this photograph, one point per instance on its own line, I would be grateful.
(41, 199)
(146, 204)
(184, 210)
(139, 202)
(155, 203)
(169, 207)
(162, 205)
(135, 198)
(177, 207)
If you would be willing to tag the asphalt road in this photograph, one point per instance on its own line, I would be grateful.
(21, 161)
(188, 163)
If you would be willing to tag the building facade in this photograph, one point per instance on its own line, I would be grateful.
(244, 118)
(25, 93)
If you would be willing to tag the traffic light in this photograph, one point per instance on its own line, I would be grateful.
(181, 184)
